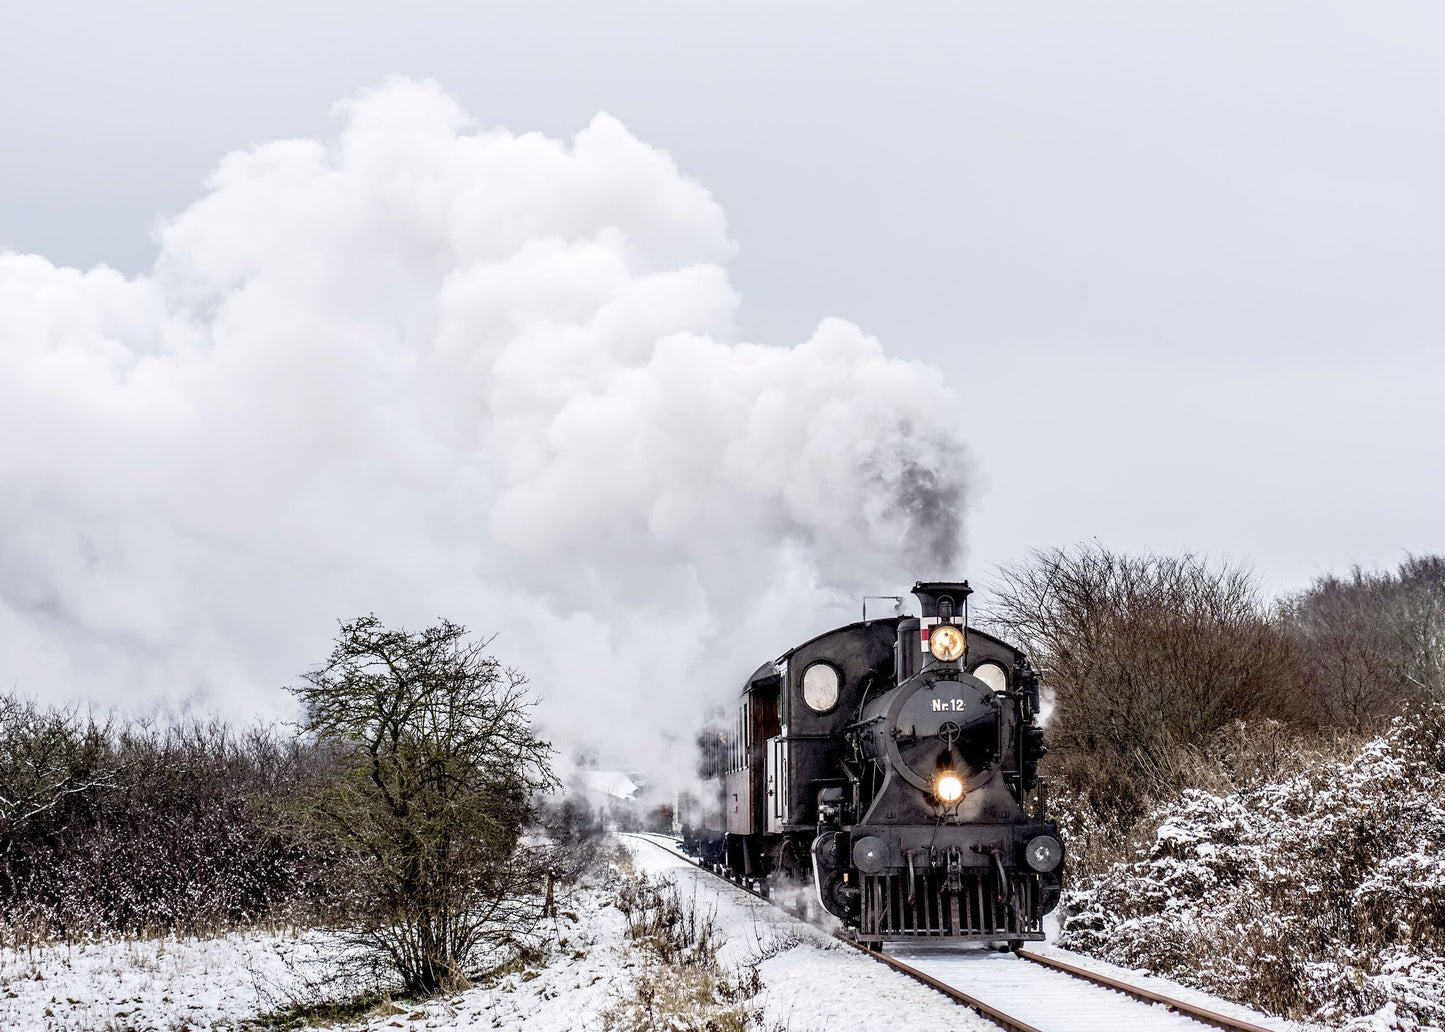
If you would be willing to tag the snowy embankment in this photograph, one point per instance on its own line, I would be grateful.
(810, 980)
(594, 975)
(588, 979)
(1321, 897)
(162, 984)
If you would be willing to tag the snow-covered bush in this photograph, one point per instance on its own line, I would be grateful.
(1320, 895)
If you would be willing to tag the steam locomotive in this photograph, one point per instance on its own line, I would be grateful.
(892, 763)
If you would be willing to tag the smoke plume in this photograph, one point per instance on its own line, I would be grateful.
(425, 370)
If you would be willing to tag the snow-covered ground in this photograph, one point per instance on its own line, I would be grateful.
(808, 980)
(1167, 987)
(161, 984)
(1053, 1001)
(811, 981)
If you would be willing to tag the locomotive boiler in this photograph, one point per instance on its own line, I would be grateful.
(892, 763)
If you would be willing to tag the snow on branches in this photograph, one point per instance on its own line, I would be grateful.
(1320, 896)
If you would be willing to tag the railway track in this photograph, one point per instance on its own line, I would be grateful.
(1028, 991)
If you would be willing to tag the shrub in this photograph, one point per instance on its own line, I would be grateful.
(147, 828)
(1146, 660)
(437, 767)
(1320, 895)
(1372, 643)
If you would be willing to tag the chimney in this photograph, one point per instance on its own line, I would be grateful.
(938, 598)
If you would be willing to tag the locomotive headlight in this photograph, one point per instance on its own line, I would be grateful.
(949, 788)
(946, 642)
(1043, 853)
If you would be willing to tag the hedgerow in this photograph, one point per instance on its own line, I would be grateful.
(1320, 896)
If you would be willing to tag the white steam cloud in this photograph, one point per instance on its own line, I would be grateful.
(428, 371)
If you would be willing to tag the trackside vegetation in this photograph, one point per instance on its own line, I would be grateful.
(393, 814)
(434, 770)
(1251, 789)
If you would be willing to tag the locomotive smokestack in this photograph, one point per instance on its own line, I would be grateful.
(942, 598)
(942, 602)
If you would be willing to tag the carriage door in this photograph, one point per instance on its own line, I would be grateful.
(777, 785)
(763, 729)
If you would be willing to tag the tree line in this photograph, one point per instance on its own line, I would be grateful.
(395, 810)
(1171, 671)
(392, 812)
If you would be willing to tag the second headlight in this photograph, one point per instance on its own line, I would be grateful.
(946, 642)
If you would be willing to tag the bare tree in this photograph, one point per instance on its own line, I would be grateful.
(1420, 625)
(1146, 658)
(439, 764)
(155, 826)
(1372, 642)
(1337, 624)
(50, 763)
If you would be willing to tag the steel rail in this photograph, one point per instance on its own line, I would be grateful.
(957, 995)
(980, 1008)
(986, 1010)
(1191, 1010)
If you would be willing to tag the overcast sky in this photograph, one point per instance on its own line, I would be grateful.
(1179, 265)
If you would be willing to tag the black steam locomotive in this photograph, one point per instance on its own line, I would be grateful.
(894, 764)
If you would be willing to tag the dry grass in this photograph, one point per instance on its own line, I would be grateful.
(679, 983)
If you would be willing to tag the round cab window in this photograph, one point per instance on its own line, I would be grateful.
(820, 687)
(992, 675)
